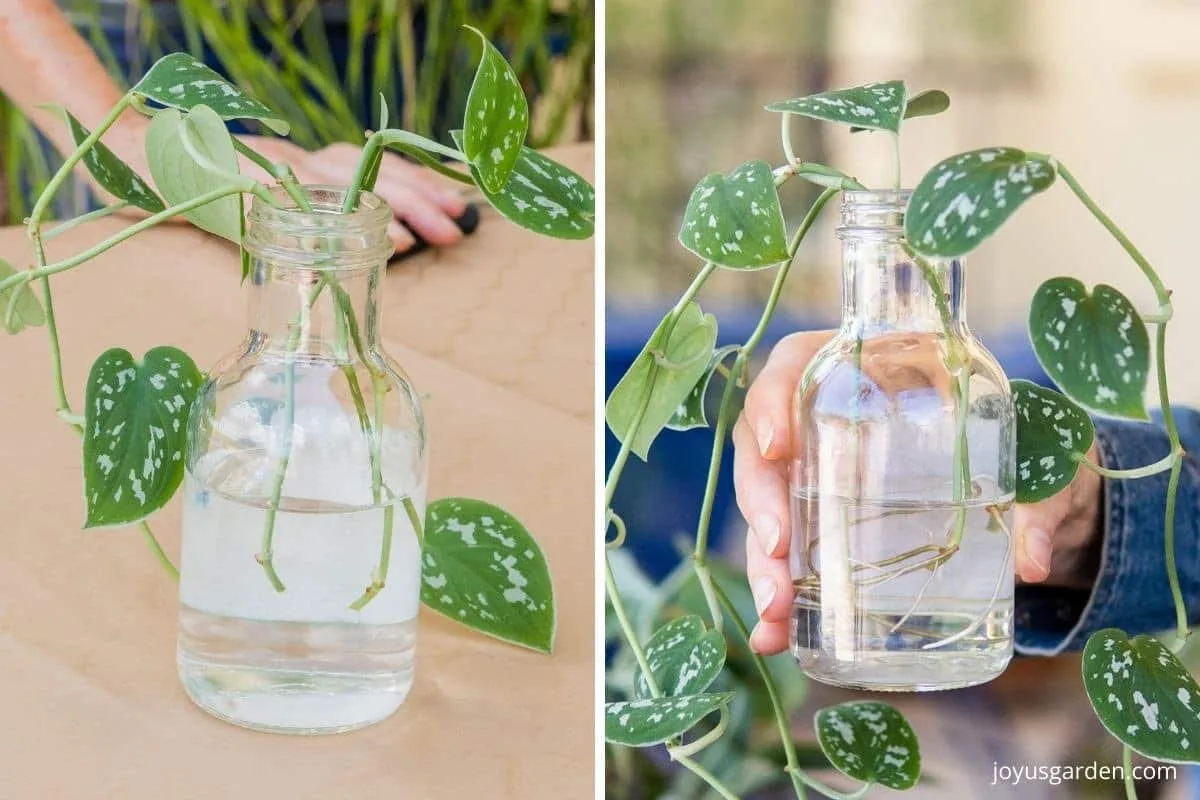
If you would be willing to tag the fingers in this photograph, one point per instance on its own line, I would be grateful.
(760, 487)
(769, 399)
(418, 212)
(400, 236)
(425, 181)
(769, 638)
(771, 585)
(1034, 524)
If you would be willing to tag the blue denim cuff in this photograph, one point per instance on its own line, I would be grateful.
(1131, 591)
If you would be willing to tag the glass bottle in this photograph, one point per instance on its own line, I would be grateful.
(306, 461)
(902, 488)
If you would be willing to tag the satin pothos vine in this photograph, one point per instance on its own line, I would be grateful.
(671, 683)
(134, 406)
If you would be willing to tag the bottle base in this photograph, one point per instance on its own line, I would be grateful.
(904, 672)
(300, 703)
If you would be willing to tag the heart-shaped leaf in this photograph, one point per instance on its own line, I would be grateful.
(542, 196)
(873, 106)
(684, 658)
(180, 178)
(640, 723)
(966, 198)
(135, 419)
(1053, 435)
(483, 569)
(673, 365)
(691, 412)
(922, 104)
(114, 175)
(736, 221)
(1143, 695)
(496, 118)
(178, 80)
(870, 742)
(19, 308)
(1094, 346)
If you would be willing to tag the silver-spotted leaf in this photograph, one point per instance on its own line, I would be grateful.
(178, 80)
(691, 412)
(873, 106)
(683, 657)
(921, 104)
(542, 196)
(1094, 345)
(735, 220)
(1053, 435)
(482, 568)
(641, 723)
(1143, 695)
(870, 742)
(966, 198)
(496, 119)
(114, 175)
(669, 366)
(180, 178)
(19, 307)
(135, 419)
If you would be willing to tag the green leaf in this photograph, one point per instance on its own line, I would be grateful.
(873, 106)
(483, 569)
(135, 421)
(922, 104)
(496, 118)
(180, 178)
(640, 723)
(736, 221)
(1094, 346)
(870, 742)
(966, 198)
(1053, 435)
(673, 365)
(691, 412)
(1143, 695)
(827, 177)
(684, 658)
(178, 80)
(542, 196)
(114, 175)
(19, 307)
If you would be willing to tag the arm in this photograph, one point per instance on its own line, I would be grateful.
(1125, 567)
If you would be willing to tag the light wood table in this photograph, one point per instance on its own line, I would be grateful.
(497, 332)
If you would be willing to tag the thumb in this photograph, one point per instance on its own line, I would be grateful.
(1035, 527)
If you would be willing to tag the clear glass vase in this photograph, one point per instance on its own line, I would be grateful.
(902, 488)
(306, 470)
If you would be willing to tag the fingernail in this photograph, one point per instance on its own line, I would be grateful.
(766, 435)
(766, 529)
(764, 593)
(453, 201)
(1038, 549)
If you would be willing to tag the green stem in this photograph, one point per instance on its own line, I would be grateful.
(99, 213)
(707, 777)
(157, 549)
(373, 150)
(1162, 465)
(896, 182)
(244, 183)
(614, 596)
(702, 742)
(410, 508)
(785, 133)
(266, 556)
(1127, 761)
(834, 794)
(1164, 301)
(379, 580)
(785, 731)
(112, 241)
(614, 474)
(47, 195)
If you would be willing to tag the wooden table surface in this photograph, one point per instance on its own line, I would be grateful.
(497, 332)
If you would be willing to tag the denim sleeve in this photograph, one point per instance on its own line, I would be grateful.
(1131, 590)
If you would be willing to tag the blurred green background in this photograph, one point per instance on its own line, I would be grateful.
(1111, 88)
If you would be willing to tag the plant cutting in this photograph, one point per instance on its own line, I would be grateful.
(307, 542)
(910, 448)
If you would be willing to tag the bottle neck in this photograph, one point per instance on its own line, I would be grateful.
(304, 310)
(884, 290)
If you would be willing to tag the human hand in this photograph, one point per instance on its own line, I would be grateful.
(418, 199)
(1053, 538)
